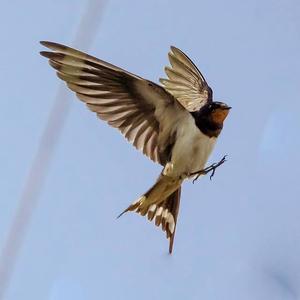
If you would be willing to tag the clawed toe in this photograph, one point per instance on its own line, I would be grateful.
(212, 168)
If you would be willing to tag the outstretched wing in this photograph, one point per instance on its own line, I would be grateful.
(186, 83)
(127, 102)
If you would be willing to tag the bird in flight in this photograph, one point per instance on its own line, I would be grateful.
(175, 124)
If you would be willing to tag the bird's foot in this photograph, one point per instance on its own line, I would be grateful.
(212, 168)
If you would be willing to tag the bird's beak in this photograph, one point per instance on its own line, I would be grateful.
(227, 108)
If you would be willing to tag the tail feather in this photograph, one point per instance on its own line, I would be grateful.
(134, 206)
(173, 202)
(161, 204)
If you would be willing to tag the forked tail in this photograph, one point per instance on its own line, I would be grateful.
(161, 204)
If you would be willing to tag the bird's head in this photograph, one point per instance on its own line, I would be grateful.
(216, 112)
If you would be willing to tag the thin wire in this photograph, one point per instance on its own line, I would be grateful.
(34, 183)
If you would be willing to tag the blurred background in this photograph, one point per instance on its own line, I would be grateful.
(65, 175)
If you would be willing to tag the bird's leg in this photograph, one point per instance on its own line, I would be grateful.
(205, 171)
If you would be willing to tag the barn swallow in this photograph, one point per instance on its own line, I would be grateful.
(175, 124)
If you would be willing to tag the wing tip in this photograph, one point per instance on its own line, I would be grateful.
(44, 43)
(46, 54)
(48, 44)
(53, 46)
(175, 50)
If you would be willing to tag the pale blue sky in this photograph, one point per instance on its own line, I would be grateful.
(238, 236)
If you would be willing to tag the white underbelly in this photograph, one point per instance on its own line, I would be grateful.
(191, 150)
